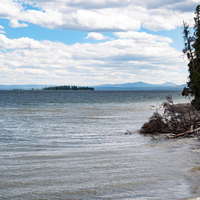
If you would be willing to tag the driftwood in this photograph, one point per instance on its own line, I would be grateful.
(194, 131)
(182, 120)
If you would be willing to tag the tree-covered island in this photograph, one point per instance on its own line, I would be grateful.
(65, 87)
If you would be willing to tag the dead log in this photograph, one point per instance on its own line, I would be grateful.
(181, 134)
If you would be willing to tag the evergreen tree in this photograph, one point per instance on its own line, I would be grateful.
(192, 50)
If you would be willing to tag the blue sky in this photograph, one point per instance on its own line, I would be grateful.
(65, 42)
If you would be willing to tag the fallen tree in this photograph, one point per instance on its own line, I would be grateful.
(181, 120)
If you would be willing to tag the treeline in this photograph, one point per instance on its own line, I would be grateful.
(65, 87)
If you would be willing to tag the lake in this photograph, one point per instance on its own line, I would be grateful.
(72, 145)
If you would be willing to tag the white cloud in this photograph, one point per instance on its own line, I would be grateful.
(116, 61)
(96, 36)
(10, 8)
(21, 43)
(134, 56)
(101, 15)
(142, 36)
(15, 24)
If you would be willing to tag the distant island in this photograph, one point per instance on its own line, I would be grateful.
(65, 87)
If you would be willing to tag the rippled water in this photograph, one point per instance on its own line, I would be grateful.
(71, 145)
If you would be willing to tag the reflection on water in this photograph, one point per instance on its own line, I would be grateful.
(71, 145)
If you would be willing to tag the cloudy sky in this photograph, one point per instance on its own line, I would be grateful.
(93, 42)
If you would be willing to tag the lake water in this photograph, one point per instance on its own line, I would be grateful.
(72, 145)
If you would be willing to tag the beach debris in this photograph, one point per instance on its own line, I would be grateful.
(195, 169)
(128, 132)
(181, 120)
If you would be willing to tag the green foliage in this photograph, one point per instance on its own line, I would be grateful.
(192, 50)
(68, 88)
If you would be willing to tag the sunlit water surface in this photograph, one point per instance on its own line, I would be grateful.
(72, 145)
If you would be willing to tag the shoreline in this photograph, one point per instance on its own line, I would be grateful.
(193, 198)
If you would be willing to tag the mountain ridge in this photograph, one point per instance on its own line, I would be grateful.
(139, 84)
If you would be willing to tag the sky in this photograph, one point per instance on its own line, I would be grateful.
(93, 42)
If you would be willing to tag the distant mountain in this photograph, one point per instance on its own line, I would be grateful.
(140, 86)
(184, 85)
(168, 84)
(136, 84)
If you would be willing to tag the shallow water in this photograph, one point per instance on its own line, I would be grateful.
(71, 145)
